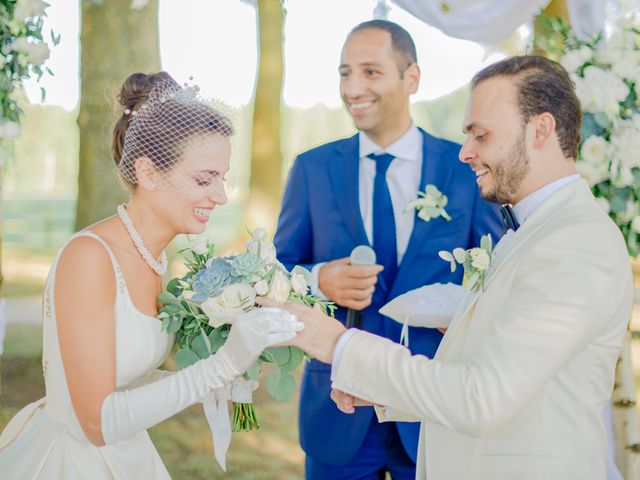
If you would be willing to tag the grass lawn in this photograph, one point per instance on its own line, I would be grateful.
(184, 441)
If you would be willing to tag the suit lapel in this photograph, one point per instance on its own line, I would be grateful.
(344, 174)
(435, 171)
(567, 196)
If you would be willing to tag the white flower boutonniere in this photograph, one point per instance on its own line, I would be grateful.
(476, 261)
(430, 204)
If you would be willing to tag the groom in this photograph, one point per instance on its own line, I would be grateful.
(353, 192)
(519, 383)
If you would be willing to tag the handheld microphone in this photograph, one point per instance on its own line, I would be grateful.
(361, 255)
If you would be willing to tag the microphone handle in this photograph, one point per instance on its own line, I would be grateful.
(354, 318)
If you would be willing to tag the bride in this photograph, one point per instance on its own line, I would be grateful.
(102, 342)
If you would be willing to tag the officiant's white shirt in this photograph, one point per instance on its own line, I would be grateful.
(403, 179)
(522, 210)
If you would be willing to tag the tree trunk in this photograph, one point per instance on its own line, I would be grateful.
(115, 41)
(265, 184)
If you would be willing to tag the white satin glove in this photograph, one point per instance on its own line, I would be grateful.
(125, 413)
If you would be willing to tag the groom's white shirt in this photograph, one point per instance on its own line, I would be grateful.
(519, 382)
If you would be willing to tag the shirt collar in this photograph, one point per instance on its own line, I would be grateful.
(529, 204)
(407, 147)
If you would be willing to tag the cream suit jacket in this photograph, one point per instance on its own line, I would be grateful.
(517, 388)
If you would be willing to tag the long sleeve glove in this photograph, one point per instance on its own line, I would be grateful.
(125, 413)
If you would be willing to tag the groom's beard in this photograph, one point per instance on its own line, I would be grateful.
(509, 174)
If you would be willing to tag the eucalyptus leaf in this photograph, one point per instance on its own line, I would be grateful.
(185, 357)
(589, 126)
(280, 355)
(174, 323)
(216, 339)
(281, 385)
(295, 359)
(174, 287)
(199, 346)
(602, 120)
(167, 298)
(485, 242)
(617, 203)
(253, 373)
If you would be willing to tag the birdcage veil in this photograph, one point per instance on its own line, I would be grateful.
(184, 141)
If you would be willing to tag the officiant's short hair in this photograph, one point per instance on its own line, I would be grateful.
(401, 41)
(543, 86)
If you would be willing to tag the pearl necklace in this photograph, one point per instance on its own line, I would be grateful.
(158, 266)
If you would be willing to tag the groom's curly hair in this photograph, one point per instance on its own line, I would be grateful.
(543, 86)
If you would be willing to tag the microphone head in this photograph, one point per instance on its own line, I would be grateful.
(363, 255)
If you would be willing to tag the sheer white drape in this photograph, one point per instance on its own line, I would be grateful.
(495, 20)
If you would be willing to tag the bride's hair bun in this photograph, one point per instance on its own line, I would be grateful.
(134, 92)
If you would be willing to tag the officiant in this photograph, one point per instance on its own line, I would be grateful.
(362, 190)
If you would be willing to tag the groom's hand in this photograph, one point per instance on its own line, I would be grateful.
(350, 286)
(346, 403)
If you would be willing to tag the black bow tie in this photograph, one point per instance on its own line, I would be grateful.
(508, 218)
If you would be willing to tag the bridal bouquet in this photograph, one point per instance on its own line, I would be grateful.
(200, 308)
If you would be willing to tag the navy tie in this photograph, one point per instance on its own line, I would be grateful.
(384, 224)
(509, 218)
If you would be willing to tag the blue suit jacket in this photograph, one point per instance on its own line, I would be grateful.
(321, 221)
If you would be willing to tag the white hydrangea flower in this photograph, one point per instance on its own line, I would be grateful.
(601, 91)
(28, 8)
(635, 224)
(593, 174)
(625, 141)
(36, 53)
(572, 60)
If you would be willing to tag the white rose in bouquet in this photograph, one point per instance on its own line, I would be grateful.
(261, 287)
(299, 283)
(263, 250)
(280, 287)
(233, 300)
(258, 234)
(199, 244)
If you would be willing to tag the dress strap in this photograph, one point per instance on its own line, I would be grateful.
(116, 267)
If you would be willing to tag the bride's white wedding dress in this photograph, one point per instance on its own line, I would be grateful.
(45, 440)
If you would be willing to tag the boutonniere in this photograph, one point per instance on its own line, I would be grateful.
(430, 204)
(476, 261)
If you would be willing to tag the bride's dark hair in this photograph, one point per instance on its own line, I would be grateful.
(163, 126)
(133, 93)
